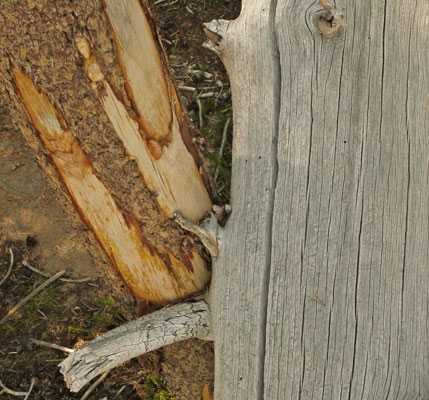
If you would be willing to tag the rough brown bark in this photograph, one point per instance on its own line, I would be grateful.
(123, 158)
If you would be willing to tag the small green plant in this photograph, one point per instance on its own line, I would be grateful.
(108, 322)
(105, 301)
(202, 75)
(79, 330)
(108, 316)
(109, 303)
(28, 315)
(208, 106)
(156, 389)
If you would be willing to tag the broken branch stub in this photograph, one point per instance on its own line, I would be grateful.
(166, 326)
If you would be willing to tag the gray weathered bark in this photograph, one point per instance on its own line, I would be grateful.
(155, 330)
(320, 288)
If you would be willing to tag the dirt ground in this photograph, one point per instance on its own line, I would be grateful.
(37, 229)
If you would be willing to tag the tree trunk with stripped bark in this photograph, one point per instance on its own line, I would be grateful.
(319, 289)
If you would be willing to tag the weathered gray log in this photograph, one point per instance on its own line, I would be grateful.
(320, 286)
(320, 289)
(163, 327)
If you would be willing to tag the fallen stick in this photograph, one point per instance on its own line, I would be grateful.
(94, 385)
(166, 326)
(46, 275)
(186, 88)
(120, 391)
(10, 267)
(5, 389)
(200, 113)
(222, 145)
(34, 293)
(206, 95)
(32, 382)
(51, 345)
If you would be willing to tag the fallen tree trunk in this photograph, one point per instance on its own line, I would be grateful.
(320, 285)
(149, 126)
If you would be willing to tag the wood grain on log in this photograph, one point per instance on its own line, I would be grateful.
(320, 287)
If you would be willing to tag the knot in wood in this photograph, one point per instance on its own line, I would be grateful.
(328, 20)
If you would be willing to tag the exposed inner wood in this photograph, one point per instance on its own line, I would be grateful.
(148, 86)
(165, 153)
(159, 278)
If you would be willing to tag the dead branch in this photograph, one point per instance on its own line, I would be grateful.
(94, 385)
(5, 389)
(222, 145)
(51, 345)
(166, 326)
(10, 267)
(34, 293)
(46, 275)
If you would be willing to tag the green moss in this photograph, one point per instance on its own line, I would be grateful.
(156, 389)
(105, 301)
(27, 316)
(79, 330)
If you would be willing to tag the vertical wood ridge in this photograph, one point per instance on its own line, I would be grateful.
(239, 315)
(274, 167)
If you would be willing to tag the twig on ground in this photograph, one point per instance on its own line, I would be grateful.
(88, 307)
(189, 10)
(34, 293)
(34, 269)
(200, 113)
(214, 87)
(94, 385)
(42, 314)
(199, 73)
(67, 280)
(206, 95)
(46, 275)
(10, 267)
(222, 145)
(120, 391)
(159, 2)
(51, 345)
(186, 88)
(5, 389)
(32, 382)
(170, 4)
